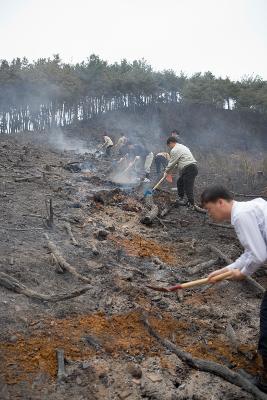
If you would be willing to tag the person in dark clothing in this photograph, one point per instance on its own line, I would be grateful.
(108, 151)
(185, 183)
(139, 152)
(161, 161)
(136, 150)
(177, 135)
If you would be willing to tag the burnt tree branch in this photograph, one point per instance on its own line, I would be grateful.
(152, 213)
(69, 231)
(61, 262)
(14, 285)
(206, 366)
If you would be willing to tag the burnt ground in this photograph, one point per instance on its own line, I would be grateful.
(109, 354)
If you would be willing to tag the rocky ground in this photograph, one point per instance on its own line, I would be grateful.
(95, 241)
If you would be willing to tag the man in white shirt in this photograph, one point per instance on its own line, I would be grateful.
(182, 158)
(249, 219)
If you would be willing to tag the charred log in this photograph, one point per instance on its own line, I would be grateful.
(14, 285)
(152, 213)
(69, 231)
(206, 366)
(62, 264)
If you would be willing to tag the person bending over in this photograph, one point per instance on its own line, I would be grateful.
(107, 145)
(161, 161)
(249, 219)
(120, 144)
(182, 158)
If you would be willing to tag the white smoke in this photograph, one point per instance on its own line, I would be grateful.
(59, 141)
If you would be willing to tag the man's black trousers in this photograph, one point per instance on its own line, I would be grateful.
(263, 327)
(185, 183)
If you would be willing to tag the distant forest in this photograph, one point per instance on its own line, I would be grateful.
(50, 93)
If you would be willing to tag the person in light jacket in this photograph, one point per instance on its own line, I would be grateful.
(182, 158)
(107, 145)
(120, 144)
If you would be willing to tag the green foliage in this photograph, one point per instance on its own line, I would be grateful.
(48, 91)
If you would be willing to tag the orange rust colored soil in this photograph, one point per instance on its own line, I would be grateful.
(141, 247)
(117, 334)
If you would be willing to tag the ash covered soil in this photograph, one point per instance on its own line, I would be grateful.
(109, 353)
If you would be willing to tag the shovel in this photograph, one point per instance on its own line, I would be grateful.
(150, 191)
(191, 284)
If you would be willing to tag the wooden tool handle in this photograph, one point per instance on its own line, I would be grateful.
(159, 182)
(204, 281)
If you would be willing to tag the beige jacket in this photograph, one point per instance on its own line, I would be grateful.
(180, 156)
(107, 141)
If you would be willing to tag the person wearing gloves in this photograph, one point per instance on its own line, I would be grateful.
(182, 158)
(249, 219)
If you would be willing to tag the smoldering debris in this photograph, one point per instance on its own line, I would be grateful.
(75, 166)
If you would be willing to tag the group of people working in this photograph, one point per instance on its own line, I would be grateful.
(137, 159)
(249, 218)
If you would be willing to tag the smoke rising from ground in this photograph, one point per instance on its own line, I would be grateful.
(143, 128)
(60, 142)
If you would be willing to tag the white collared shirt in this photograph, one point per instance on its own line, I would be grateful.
(249, 219)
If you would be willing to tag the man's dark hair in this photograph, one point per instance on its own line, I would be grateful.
(171, 139)
(214, 193)
(175, 131)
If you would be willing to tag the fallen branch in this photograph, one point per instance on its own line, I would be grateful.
(161, 223)
(220, 254)
(69, 231)
(62, 264)
(202, 266)
(60, 364)
(254, 196)
(207, 366)
(20, 229)
(33, 215)
(14, 285)
(221, 225)
(27, 179)
(148, 218)
(182, 222)
(232, 337)
(200, 210)
(228, 261)
(167, 209)
(94, 249)
(193, 263)
(50, 213)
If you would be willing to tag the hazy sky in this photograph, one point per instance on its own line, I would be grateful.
(227, 37)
